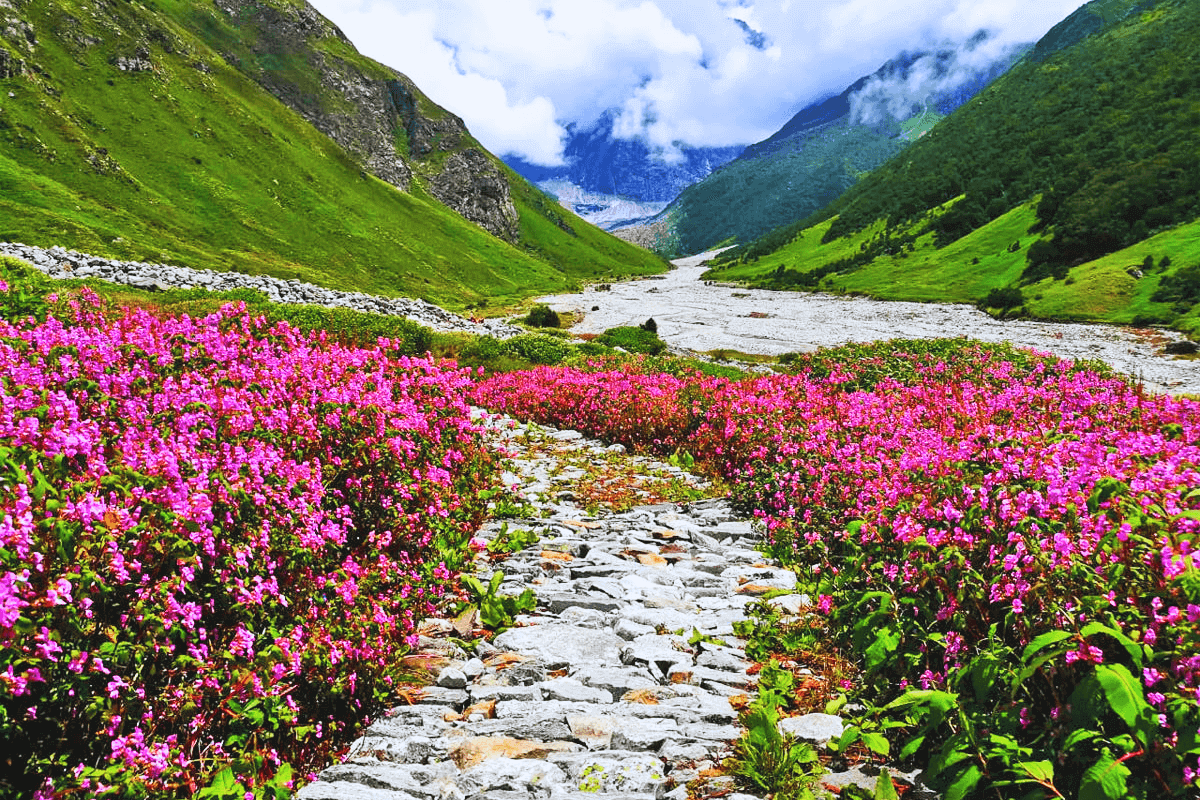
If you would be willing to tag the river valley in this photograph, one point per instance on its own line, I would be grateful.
(693, 314)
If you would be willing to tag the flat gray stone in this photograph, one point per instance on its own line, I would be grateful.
(643, 734)
(563, 644)
(339, 790)
(617, 681)
(572, 690)
(509, 773)
(452, 678)
(816, 728)
(609, 774)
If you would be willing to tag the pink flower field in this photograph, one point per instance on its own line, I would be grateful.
(215, 540)
(1007, 543)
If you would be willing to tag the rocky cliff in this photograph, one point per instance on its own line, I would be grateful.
(376, 114)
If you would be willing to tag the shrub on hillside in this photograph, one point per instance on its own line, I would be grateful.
(538, 349)
(633, 340)
(1005, 299)
(542, 316)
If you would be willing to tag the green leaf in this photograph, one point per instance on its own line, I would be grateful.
(1041, 771)
(223, 785)
(877, 743)
(835, 705)
(1104, 780)
(884, 788)
(911, 747)
(964, 784)
(1051, 637)
(886, 642)
(1079, 736)
(1124, 693)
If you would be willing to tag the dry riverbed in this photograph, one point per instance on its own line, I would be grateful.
(697, 316)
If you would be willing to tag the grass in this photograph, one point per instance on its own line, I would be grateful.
(202, 167)
(1097, 291)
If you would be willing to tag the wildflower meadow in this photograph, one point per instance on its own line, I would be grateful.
(216, 538)
(1005, 542)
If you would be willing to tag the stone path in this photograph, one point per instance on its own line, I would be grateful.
(604, 691)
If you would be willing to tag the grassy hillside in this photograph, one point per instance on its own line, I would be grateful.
(991, 257)
(1086, 159)
(179, 156)
(750, 196)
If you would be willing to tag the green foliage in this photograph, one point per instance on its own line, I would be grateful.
(496, 611)
(537, 348)
(25, 295)
(749, 197)
(1073, 127)
(633, 340)
(765, 758)
(511, 540)
(542, 316)
(1106, 130)
(1182, 288)
(1004, 299)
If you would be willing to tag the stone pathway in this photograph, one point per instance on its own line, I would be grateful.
(606, 690)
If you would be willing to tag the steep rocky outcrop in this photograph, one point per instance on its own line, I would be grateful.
(471, 185)
(469, 182)
(347, 105)
(376, 114)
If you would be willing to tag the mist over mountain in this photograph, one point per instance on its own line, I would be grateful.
(827, 146)
(611, 180)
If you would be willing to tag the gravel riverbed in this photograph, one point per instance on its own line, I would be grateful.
(699, 316)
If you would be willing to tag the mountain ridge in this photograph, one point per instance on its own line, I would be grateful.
(824, 148)
(147, 132)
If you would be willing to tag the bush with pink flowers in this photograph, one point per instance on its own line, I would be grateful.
(216, 537)
(1006, 542)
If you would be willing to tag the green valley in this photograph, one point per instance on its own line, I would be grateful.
(1074, 179)
(192, 134)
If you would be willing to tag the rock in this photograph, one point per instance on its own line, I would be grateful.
(563, 644)
(594, 731)
(452, 678)
(815, 728)
(478, 749)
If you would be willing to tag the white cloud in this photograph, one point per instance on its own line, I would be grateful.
(679, 70)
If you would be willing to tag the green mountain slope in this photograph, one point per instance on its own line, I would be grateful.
(1096, 145)
(205, 135)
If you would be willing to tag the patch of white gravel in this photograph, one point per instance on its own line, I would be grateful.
(700, 316)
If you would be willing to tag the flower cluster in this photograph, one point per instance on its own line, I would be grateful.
(216, 537)
(1011, 533)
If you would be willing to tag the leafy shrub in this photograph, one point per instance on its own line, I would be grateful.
(1004, 299)
(1182, 288)
(633, 339)
(537, 349)
(23, 290)
(542, 316)
(355, 328)
(217, 536)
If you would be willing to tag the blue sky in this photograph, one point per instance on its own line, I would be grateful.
(704, 72)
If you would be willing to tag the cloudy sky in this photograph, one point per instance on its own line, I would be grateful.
(705, 72)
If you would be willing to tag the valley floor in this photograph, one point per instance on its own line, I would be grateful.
(698, 315)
